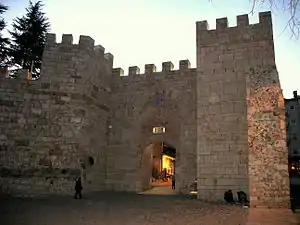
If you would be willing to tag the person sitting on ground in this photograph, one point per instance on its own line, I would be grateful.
(228, 196)
(242, 197)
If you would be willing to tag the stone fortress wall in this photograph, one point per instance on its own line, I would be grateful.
(141, 102)
(53, 126)
(83, 113)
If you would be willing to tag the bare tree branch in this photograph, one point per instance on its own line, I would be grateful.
(291, 7)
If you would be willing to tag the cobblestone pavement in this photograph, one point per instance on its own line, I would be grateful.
(119, 209)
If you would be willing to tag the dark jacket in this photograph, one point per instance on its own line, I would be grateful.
(78, 185)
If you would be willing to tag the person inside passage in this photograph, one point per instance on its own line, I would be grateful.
(173, 181)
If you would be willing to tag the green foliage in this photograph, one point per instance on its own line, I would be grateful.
(4, 42)
(28, 38)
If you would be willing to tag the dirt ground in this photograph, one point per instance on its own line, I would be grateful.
(122, 209)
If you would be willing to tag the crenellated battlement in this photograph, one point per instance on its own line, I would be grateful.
(151, 69)
(82, 68)
(67, 39)
(117, 72)
(242, 31)
(265, 18)
(85, 43)
(133, 70)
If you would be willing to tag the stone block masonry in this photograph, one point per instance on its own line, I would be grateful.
(240, 117)
(84, 117)
(54, 129)
(140, 102)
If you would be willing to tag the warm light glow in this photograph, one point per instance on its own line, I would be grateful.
(168, 157)
(167, 163)
(158, 130)
(292, 167)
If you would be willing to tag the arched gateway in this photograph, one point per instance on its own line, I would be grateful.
(158, 165)
(158, 126)
(225, 118)
(166, 101)
(163, 123)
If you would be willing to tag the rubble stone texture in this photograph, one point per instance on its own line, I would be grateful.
(240, 117)
(82, 117)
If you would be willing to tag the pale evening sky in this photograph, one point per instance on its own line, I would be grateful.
(138, 32)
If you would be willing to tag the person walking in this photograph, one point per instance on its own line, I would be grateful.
(78, 188)
(293, 197)
(173, 181)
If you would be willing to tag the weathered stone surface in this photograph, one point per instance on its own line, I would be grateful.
(50, 124)
(244, 105)
(85, 118)
(268, 158)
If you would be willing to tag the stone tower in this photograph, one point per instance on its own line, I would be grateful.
(241, 142)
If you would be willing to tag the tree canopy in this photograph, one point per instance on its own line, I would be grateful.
(28, 38)
(4, 42)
